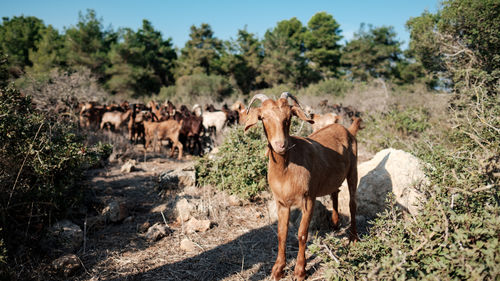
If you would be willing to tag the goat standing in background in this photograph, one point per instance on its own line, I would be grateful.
(301, 169)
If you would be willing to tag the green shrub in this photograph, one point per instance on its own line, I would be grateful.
(240, 166)
(41, 164)
(192, 87)
(330, 87)
(396, 128)
(456, 234)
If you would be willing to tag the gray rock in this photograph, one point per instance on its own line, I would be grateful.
(157, 231)
(180, 178)
(64, 236)
(66, 265)
(115, 211)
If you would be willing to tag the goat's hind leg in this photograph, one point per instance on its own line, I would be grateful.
(335, 212)
(352, 183)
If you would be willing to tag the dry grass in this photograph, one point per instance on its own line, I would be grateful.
(241, 245)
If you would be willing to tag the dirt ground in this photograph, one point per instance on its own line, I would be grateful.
(240, 245)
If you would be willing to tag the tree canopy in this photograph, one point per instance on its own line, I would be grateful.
(141, 62)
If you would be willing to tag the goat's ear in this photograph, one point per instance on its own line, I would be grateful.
(252, 118)
(338, 118)
(299, 113)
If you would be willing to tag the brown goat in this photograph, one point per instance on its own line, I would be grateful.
(115, 118)
(323, 120)
(165, 130)
(301, 169)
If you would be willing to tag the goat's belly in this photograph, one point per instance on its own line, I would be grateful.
(326, 188)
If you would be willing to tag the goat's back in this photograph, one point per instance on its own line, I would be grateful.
(332, 156)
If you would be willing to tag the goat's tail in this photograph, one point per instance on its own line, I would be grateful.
(355, 126)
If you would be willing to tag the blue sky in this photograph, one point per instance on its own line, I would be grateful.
(174, 18)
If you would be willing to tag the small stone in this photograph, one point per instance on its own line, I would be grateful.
(188, 245)
(180, 178)
(183, 209)
(129, 166)
(195, 225)
(157, 231)
(66, 265)
(144, 227)
(160, 208)
(64, 236)
(115, 211)
(234, 200)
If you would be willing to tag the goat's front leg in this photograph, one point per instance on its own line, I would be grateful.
(307, 212)
(283, 217)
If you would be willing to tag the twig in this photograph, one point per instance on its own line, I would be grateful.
(483, 188)
(164, 220)
(330, 253)
(86, 271)
(85, 234)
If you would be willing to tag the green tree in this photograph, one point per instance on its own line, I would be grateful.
(18, 36)
(372, 53)
(284, 62)
(49, 51)
(423, 41)
(201, 53)
(141, 63)
(242, 60)
(321, 42)
(462, 33)
(87, 43)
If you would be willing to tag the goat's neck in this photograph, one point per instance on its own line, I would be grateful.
(278, 162)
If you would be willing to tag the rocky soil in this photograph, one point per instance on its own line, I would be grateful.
(150, 221)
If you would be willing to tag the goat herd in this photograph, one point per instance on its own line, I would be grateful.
(299, 169)
(192, 130)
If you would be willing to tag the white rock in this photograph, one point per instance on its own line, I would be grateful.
(188, 245)
(183, 209)
(195, 225)
(129, 166)
(390, 170)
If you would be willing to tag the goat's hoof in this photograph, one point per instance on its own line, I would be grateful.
(277, 272)
(300, 272)
(353, 239)
(299, 276)
(336, 226)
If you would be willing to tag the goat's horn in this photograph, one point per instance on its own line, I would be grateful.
(286, 95)
(261, 97)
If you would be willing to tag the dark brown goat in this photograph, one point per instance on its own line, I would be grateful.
(301, 169)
